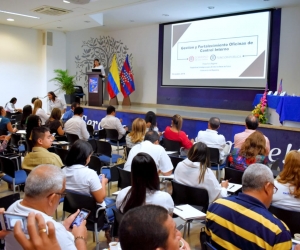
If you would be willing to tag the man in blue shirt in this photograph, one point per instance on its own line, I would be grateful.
(69, 114)
(243, 221)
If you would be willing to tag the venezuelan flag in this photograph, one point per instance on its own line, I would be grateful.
(113, 79)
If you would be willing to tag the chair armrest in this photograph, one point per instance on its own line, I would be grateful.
(98, 210)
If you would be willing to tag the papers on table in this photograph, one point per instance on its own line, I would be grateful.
(167, 176)
(171, 152)
(21, 132)
(188, 212)
(232, 187)
(60, 142)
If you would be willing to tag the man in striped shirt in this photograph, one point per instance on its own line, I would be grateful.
(243, 221)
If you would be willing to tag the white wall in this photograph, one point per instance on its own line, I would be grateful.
(143, 44)
(289, 56)
(21, 57)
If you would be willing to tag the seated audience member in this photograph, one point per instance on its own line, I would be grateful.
(145, 186)
(174, 133)
(84, 180)
(5, 139)
(211, 137)
(243, 221)
(69, 114)
(42, 140)
(195, 171)
(55, 102)
(37, 110)
(137, 133)
(5, 124)
(149, 227)
(251, 126)
(288, 183)
(33, 121)
(151, 146)
(32, 101)
(27, 111)
(77, 126)
(252, 151)
(44, 187)
(53, 123)
(151, 124)
(110, 121)
(10, 106)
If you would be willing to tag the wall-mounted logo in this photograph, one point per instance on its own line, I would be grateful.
(213, 57)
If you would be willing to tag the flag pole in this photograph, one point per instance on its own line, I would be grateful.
(114, 101)
(126, 101)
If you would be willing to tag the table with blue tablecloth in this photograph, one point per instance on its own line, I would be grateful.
(287, 108)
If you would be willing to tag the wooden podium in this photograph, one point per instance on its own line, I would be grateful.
(95, 88)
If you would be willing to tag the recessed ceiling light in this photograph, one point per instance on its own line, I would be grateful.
(65, 1)
(165, 14)
(10, 19)
(211, 7)
(18, 14)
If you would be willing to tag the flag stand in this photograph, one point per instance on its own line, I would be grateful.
(126, 101)
(114, 101)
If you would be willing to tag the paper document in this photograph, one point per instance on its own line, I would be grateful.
(188, 212)
(21, 132)
(232, 187)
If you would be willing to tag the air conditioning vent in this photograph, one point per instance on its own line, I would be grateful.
(52, 11)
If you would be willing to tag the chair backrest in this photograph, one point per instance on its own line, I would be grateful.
(6, 201)
(74, 201)
(90, 129)
(275, 165)
(234, 175)
(214, 154)
(14, 140)
(114, 173)
(112, 134)
(17, 117)
(29, 145)
(175, 160)
(124, 178)
(78, 89)
(127, 151)
(93, 144)
(61, 138)
(183, 194)
(72, 138)
(290, 218)
(62, 153)
(104, 147)
(13, 121)
(95, 164)
(170, 145)
(8, 166)
(100, 134)
(118, 216)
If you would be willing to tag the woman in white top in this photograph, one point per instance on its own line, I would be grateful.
(137, 133)
(37, 110)
(55, 102)
(288, 184)
(194, 171)
(10, 106)
(145, 186)
(97, 65)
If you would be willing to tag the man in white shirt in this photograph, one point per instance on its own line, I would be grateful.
(44, 187)
(211, 137)
(77, 126)
(151, 146)
(110, 121)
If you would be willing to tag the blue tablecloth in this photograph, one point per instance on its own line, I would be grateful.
(287, 107)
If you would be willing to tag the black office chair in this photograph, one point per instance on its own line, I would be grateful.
(175, 160)
(62, 153)
(290, 218)
(113, 135)
(215, 161)
(95, 164)
(124, 178)
(90, 129)
(16, 117)
(93, 144)
(105, 151)
(61, 138)
(197, 197)
(117, 220)
(170, 145)
(72, 138)
(96, 219)
(234, 175)
(99, 134)
(79, 93)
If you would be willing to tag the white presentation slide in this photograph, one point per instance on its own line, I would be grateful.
(230, 51)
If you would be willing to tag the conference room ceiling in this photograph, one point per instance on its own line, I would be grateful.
(122, 14)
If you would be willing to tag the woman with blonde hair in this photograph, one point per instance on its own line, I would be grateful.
(37, 110)
(54, 123)
(194, 171)
(174, 133)
(137, 133)
(253, 150)
(288, 183)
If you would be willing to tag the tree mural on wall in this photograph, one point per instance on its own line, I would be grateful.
(102, 48)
